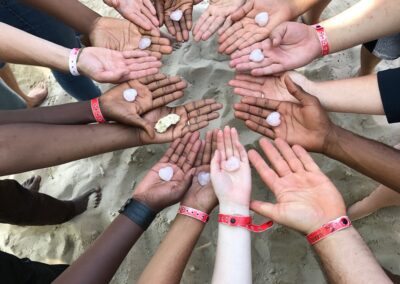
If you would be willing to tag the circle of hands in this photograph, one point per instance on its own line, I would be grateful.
(112, 55)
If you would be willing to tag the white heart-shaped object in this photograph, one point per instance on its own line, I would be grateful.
(203, 178)
(274, 119)
(256, 55)
(130, 95)
(166, 173)
(262, 19)
(144, 43)
(232, 164)
(176, 15)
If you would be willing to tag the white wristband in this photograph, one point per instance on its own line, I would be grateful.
(73, 62)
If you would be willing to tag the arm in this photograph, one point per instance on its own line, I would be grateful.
(73, 13)
(233, 189)
(100, 262)
(305, 200)
(169, 261)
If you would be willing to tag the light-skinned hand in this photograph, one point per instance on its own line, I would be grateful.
(305, 123)
(215, 16)
(153, 92)
(122, 35)
(291, 45)
(194, 115)
(305, 198)
(245, 31)
(181, 155)
(140, 12)
(198, 196)
(233, 189)
(109, 66)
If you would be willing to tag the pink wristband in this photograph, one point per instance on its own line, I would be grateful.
(245, 222)
(323, 39)
(329, 228)
(98, 116)
(73, 62)
(194, 213)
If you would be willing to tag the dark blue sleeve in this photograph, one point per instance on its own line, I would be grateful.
(389, 87)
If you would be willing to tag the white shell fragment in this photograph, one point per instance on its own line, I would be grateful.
(144, 43)
(232, 164)
(176, 15)
(203, 178)
(164, 123)
(130, 95)
(274, 119)
(166, 173)
(256, 55)
(262, 19)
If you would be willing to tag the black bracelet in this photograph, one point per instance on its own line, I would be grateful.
(138, 212)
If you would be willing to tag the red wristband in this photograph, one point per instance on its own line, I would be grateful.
(323, 39)
(98, 116)
(329, 228)
(243, 221)
(194, 213)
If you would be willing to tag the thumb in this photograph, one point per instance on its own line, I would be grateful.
(145, 124)
(265, 209)
(242, 11)
(187, 180)
(278, 34)
(297, 91)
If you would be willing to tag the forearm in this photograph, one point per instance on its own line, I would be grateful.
(71, 12)
(51, 145)
(100, 262)
(365, 21)
(371, 158)
(347, 259)
(355, 95)
(233, 259)
(169, 262)
(20, 47)
(73, 113)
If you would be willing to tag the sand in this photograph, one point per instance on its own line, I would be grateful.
(279, 256)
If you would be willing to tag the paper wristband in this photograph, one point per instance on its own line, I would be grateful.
(323, 39)
(328, 229)
(98, 116)
(194, 213)
(73, 61)
(243, 221)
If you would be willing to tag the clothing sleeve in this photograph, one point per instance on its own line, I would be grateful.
(389, 88)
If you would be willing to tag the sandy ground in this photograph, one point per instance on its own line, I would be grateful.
(279, 256)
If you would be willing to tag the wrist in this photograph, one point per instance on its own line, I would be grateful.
(332, 141)
(229, 208)
(206, 208)
(316, 48)
(335, 239)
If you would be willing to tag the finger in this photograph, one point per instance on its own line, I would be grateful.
(242, 11)
(149, 5)
(141, 20)
(263, 103)
(170, 151)
(215, 166)
(166, 99)
(203, 18)
(170, 25)
(195, 127)
(245, 85)
(267, 174)
(206, 157)
(280, 165)
(265, 209)
(204, 26)
(141, 73)
(179, 149)
(261, 113)
(251, 38)
(146, 59)
(149, 80)
(215, 24)
(229, 150)
(178, 31)
(251, 79)
(308, 162)
(249, 65)
(188, 19)
(188, 162)
(278, 34)
(221, 145)
(214, 140)
(263, 130)
(228, 46)
(298, 92)
(199, 157)
(245, 51)
(205, 117)
(227, 24)
(269, 70)
(184, 29)
(185, 184)
(160, 12)
(168, 86)
(200, 107)
(247, 93)
(230, 31)
(144, 66)
(237, 146)
(127, 54)
(289, 155)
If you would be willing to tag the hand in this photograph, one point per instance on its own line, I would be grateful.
(245, 31)
(139, 12)
(291, 45)
(194, 116)
(233, 189)
(201, 197)
(181, 155)
(120, 34)
(217, 14)
(305, 198)
(153, 92)
(306, 124)
(110, 66)
(268, 87)
(178, 29)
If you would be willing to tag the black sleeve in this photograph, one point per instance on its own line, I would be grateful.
(389, 87)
